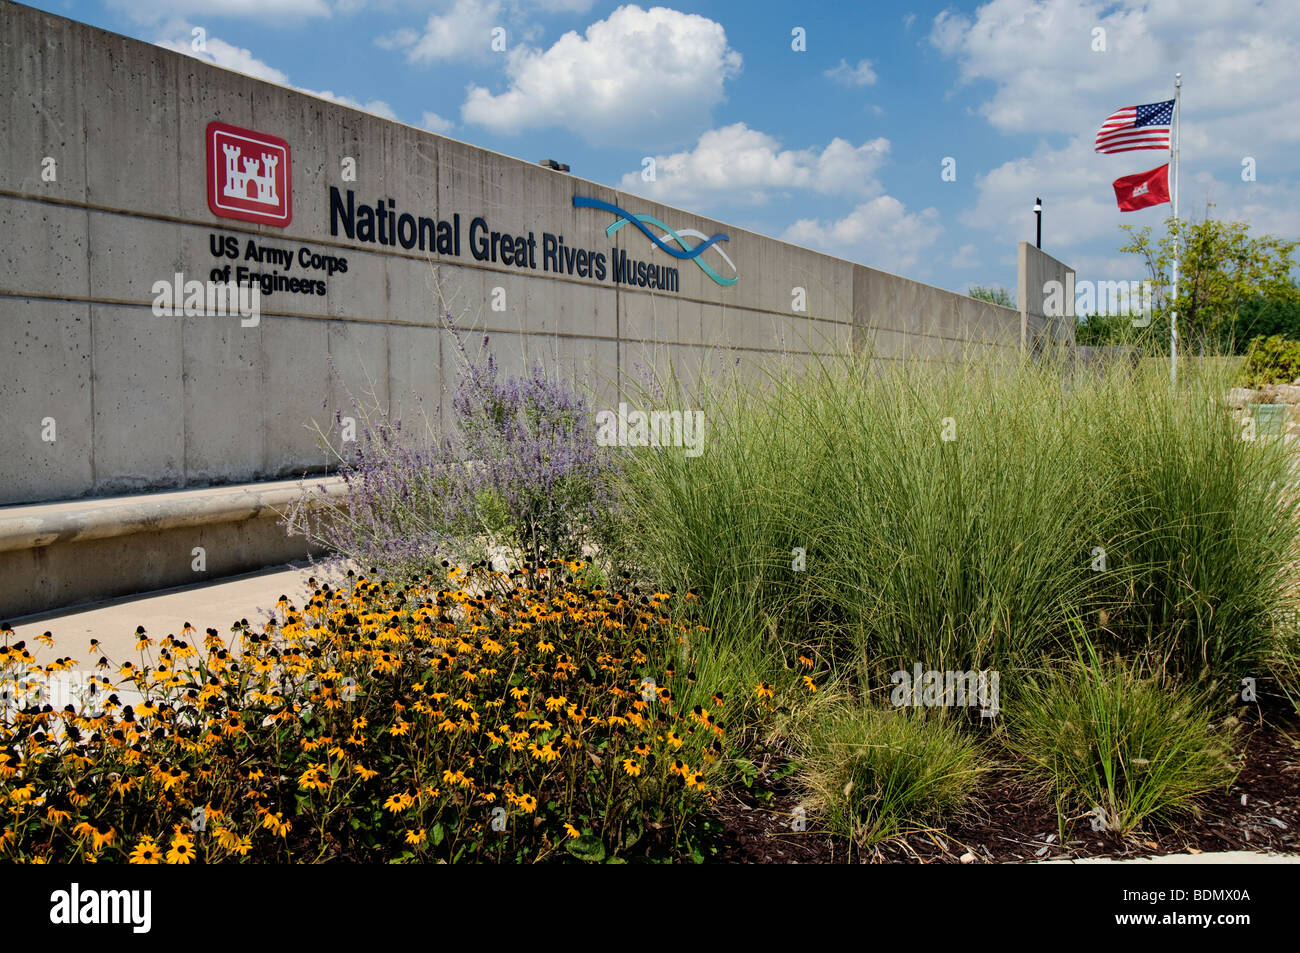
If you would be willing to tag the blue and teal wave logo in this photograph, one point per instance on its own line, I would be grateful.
(685, 251)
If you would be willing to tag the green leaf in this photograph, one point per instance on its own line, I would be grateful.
(587, 848)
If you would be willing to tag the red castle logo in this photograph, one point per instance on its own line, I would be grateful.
(250, 175)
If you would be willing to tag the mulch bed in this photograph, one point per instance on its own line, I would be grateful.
(1009, 824)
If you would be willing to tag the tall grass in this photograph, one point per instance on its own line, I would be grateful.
(874, 774)
(1105, 495)
(1102, 737)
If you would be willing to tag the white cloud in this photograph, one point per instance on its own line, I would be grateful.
(742, 163)
(880, 233)
(1239, 63)
(860, 75)
(376, 106)
(220, 53)
(966, 257)
(649, 76)
(1078, 200)
(435, 123)
(462, 32)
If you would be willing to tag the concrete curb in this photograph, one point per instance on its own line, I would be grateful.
(1217, 857)
(36, 526)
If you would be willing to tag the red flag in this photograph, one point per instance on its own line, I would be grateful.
(1142, 189)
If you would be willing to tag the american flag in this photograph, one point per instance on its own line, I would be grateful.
(1136, 127)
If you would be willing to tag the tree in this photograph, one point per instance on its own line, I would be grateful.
(1221, 268)
(994, 294)
(1267, 317)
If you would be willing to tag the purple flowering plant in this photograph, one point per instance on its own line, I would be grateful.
(519, 474)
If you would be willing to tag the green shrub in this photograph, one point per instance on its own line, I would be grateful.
(1270, 360)
(1104, 737)
(874, 775)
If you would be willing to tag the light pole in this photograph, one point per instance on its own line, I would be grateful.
(1038, 214)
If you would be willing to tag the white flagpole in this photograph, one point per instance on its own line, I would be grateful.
(1173, 314)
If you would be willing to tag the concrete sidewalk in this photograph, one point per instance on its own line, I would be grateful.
(214, 605)
(1223, 857)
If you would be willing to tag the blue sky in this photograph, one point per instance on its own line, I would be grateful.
(839, 146)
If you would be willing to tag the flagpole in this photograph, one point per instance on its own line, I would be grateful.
(1173, 316)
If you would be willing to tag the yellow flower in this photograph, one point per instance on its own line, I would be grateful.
(764, 690)
(146, 852)
(313, 777)
(275, 822)
(572, 831)
(366, 773)
(632, 766)
(396, 803)
(809, 684)
(182, 850)
(415, 838)
(545, 753)
(528, 803)
(453, 778)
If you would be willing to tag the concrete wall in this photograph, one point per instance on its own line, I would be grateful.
(1038, 329)
(145, 402)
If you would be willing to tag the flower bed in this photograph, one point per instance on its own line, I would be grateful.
(500, 717)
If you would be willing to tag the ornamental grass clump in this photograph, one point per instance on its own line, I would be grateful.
(475, 716)
(873, 774)
(519, 472)
(959, 517)
(1118, 746)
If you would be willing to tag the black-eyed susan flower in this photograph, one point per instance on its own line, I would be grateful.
(146, 852)
(275, 823)
(182, 850)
